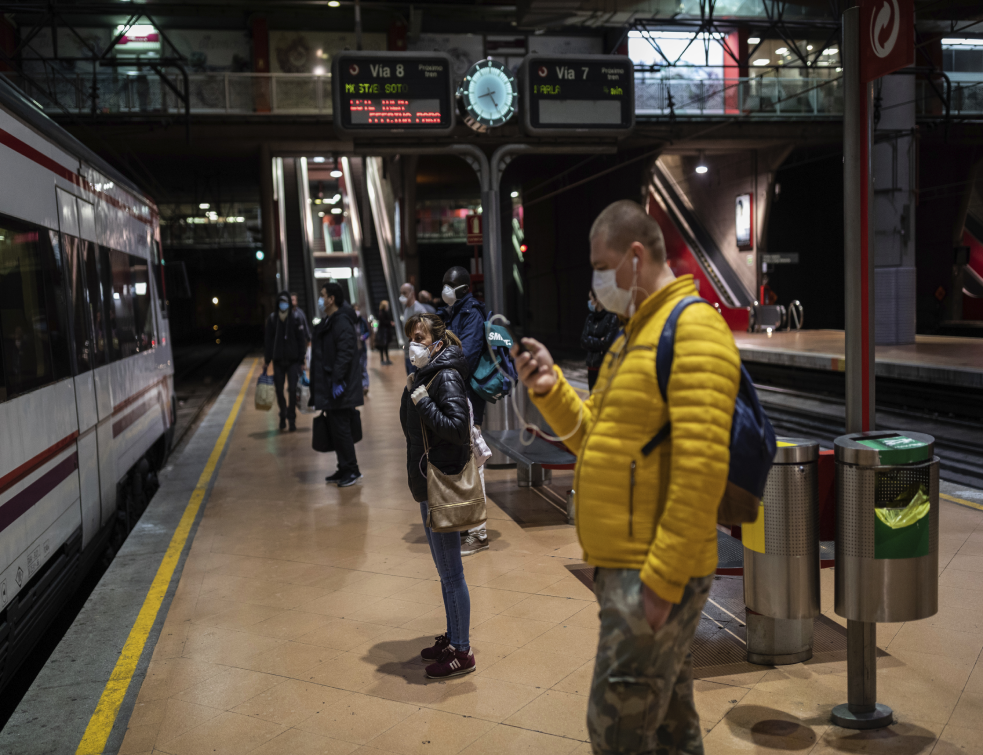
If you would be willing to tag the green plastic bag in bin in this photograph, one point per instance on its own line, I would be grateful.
(265, 397)
(903, 531)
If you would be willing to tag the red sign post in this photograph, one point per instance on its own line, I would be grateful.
(878, 38)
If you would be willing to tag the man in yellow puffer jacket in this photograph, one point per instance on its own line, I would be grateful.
(647, 522)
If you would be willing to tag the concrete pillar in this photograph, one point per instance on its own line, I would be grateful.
(894, 156)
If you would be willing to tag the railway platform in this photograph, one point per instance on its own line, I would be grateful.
(938, 360)
(256, 609)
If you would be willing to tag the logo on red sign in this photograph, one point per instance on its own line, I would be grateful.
(543, 71)
(887, 37)
(353, 69)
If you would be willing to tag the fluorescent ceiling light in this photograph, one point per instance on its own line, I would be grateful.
(339, 273)
(319, 159)
(336, 211)
(204, 206)
(336, 173)
(753, 40)
(781, 51)
(963, 42)
(320, 214)
(831, 51)
(808, 47)
(761, 62)
(515, 194)
(333, 4)
(701, 164)
(141, 289)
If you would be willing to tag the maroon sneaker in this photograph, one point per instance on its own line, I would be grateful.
(452, 663)
(433, 653)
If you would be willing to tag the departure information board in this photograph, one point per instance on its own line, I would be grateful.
(379, 93)
(565, 94)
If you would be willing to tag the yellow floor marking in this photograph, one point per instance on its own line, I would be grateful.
(102, 721)
(962, 501)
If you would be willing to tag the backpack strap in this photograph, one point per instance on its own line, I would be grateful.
(663, 365)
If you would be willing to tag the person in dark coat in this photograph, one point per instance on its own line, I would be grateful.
(384, 333)
(435, 402)
(286, 347)
(336, 377)
(600, 330)
(465, 316)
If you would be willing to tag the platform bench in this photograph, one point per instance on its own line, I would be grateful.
(534, 463)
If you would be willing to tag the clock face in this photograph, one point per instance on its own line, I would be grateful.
(488, 95)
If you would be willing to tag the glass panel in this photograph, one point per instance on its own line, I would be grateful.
(81, 331)
(143, 309)
(112, 300)
(32, 332)
(121, 319)
(96, 305)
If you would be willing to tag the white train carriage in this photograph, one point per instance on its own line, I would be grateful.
(86, 375)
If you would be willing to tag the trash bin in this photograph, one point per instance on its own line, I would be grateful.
(887, 526)
(781, 558)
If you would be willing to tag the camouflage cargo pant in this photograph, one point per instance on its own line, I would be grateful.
(641, 697)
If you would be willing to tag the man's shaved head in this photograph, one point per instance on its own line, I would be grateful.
(624, 222)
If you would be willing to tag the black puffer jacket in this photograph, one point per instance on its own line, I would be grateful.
(446, 416)
(334, 359)
(600, 330)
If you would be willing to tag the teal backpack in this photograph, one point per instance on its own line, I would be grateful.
(487, 381)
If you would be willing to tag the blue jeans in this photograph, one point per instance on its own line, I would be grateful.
(445, 547)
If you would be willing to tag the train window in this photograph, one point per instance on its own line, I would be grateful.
(111, 298)
(96, 304)
(143, 307)
(81, 327)
(126, 283)
(34, 340)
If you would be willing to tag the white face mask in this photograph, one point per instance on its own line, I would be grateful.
(419, 355)
(449, 295)
(611, 297)
(320, 305)
(402, 301)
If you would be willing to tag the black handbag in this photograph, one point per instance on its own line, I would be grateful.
(321, 440)
(356, 426)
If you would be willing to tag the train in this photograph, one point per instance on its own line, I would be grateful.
(87, 402)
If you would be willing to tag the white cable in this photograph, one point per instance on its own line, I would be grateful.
(528, 427)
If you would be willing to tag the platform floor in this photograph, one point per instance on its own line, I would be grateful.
(945, 360)
(301, 610)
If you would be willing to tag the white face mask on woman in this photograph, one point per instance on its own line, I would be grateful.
(611, 297)
(420, 355)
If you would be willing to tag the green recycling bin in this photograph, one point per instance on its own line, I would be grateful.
(887, 526)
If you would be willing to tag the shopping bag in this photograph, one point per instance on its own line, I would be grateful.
(303, 398)
(265, 395)
(321, 435)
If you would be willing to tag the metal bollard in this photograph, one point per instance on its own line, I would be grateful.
(571, 507)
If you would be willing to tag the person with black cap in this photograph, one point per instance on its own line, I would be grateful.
(465, 315)
(286, 347)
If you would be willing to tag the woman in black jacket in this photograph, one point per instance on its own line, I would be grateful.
(600, 330)
(435, 402)
(384, 333)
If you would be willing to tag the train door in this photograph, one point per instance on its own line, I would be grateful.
(77, 224)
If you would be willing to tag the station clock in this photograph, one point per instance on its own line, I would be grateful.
(488, 95)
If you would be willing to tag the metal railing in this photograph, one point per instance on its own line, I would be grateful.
(756, 96)
(209, 93)
(115, 92)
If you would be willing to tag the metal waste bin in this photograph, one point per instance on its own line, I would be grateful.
(887, 526)
(781, 558)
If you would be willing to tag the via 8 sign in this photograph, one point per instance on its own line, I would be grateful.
(566, 94)
(380, 94)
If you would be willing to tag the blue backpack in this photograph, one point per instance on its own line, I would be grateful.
(752, 438)
(487, 381)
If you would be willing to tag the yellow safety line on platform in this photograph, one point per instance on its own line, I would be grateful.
(962, 501)
(102, 721)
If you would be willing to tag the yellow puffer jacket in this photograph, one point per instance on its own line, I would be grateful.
(656, 513)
